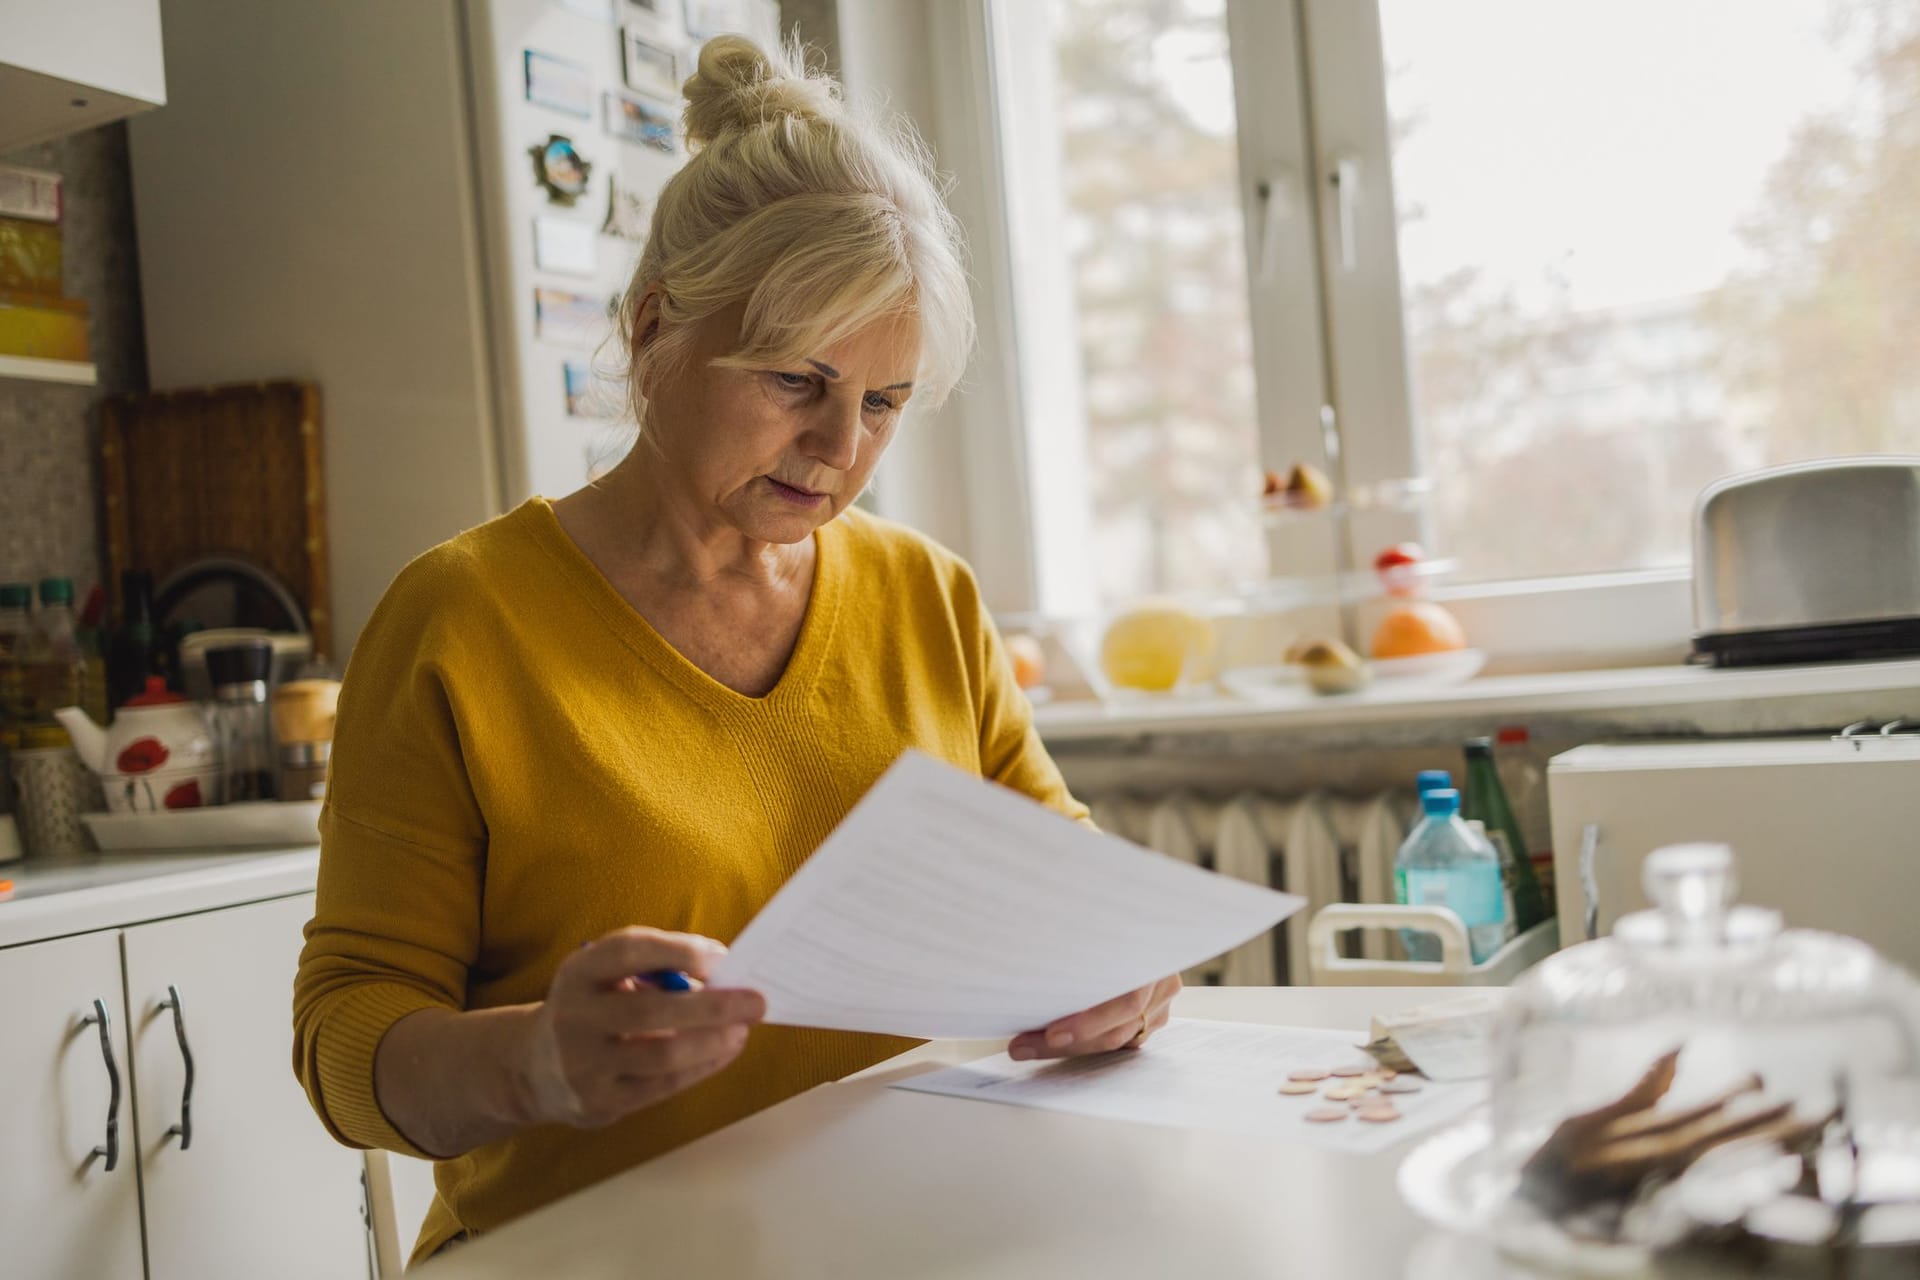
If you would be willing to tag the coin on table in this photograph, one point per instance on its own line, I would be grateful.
(1327, 1115)
(1299, 1086)
(1344, 1092)
(1348, 1072)
(1401, 1084)
(1308, 1074)
(1378, 1113)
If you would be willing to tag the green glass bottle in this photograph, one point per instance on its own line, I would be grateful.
(1486, 801)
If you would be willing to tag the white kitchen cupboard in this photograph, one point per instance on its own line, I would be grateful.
(236, 1176)
(69, 65)
(64, 1213)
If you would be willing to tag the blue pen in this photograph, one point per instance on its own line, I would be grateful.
(667, 980)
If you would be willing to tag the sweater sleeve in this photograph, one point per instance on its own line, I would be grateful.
(1011, 752)
(402, 851)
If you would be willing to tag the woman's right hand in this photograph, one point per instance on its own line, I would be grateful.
(605, 1044)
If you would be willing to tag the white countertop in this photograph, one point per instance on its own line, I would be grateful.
(52, 899)
(855, 1179)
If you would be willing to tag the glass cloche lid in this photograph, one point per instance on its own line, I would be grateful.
(1640, 1079)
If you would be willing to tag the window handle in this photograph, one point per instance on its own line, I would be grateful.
(1274, 208)
(1346, 197)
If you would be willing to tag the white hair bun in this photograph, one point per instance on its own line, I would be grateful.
(739, 86)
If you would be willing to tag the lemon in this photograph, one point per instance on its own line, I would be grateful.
(1148, 647)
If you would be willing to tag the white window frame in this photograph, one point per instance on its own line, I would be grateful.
(1000, 473)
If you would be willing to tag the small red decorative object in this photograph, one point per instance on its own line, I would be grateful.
(143, 755)
(184, 796)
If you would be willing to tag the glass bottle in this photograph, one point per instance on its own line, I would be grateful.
(132, 658)
(1526, 783)
(1486, 801)
(239, 674)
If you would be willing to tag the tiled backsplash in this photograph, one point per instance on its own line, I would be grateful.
(49, 467)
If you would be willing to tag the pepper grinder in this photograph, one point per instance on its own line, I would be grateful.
(239, 674)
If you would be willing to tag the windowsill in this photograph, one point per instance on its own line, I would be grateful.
(1548, 693)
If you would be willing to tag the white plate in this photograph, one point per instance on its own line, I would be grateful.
(1261, 683)
(1447, 1181)
(1435, 669)
(261, 824)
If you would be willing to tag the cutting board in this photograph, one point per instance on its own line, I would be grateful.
(232, 470)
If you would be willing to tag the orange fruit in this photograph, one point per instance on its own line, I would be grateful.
(1029, 661)
(1410, 630)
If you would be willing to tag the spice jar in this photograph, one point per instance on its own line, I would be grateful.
(303, 714)
(239, 675)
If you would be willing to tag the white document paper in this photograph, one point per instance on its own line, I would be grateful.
(945, 906)
(1223, 1076)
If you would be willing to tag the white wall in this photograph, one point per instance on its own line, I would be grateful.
(885, 56)
(307, 210)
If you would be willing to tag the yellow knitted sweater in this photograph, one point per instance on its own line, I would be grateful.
(522, 763)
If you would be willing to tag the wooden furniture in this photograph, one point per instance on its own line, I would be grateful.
(233, 470)
(218, 1165)
(855, 1179)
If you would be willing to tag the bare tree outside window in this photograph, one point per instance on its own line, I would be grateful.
(1644, 246)
(1159, 266)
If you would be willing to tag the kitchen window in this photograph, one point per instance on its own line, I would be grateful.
(1562, 265)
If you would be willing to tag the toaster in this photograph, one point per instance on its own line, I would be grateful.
(1809, 563)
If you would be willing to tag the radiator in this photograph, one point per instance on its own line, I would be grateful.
(1327, 848)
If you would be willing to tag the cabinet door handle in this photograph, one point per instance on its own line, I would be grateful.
(183, 1130)
(112, 1148)
(1590, 877)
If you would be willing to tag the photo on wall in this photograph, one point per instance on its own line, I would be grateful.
(571, 319)
(559, 84)
(648, 65)
(588, 396)
(634, 120)
(660, 12)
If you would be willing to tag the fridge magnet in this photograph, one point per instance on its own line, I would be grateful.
(587, 397)
(574, 319)
(757, 19)
(560, 168)
(567, 247)
(557, 83)
(649, 67)
(633, 120)
(627, 213)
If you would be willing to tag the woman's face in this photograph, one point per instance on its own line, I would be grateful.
(776, 453)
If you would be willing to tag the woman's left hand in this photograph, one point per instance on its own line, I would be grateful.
(1123, 1022)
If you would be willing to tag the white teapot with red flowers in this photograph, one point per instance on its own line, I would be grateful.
(160, 753)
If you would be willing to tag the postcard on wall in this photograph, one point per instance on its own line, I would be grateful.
(557, 83)
(636, 120)
(589, 396)
(759, 20)
(649, 65)
(573, 319)
(570, 248)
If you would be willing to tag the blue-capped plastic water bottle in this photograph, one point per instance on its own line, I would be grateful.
(1445, 864)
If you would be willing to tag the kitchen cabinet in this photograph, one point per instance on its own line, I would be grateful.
(236, 1170)
(76, 64)
(64, 1211)
(235, 1173)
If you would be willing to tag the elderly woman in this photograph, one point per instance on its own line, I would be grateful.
(591, 738)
